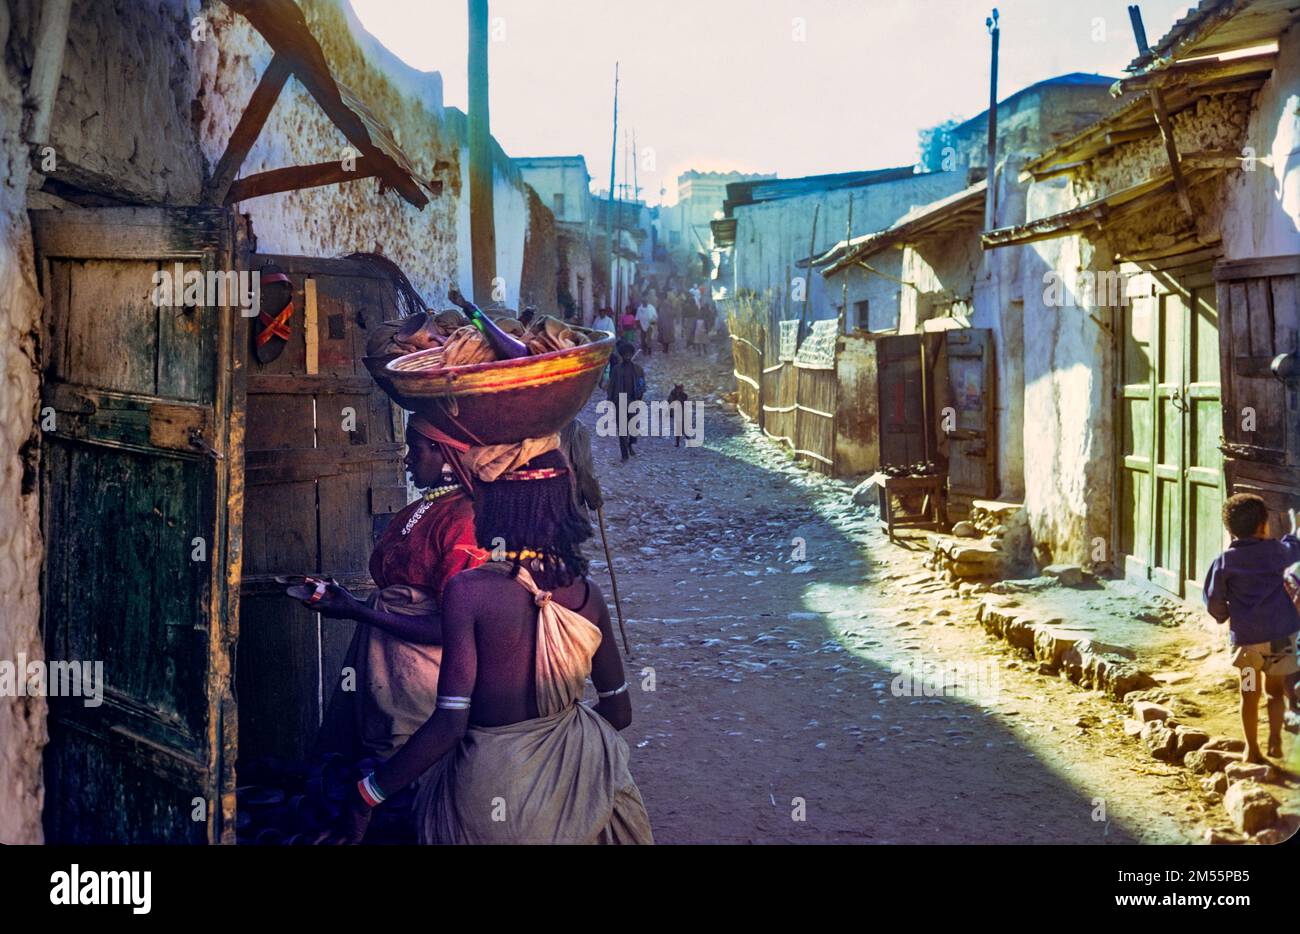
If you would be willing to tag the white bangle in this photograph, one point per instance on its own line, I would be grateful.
(370, 792)
(618, 690)
(449, 702)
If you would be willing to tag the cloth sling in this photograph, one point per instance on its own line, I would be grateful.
(560, 778)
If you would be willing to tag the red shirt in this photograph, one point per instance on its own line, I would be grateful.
(439, 545)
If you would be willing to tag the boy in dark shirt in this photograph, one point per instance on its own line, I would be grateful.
(1244, 586)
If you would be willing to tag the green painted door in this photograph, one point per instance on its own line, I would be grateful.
(141, 502)
(1170, 417)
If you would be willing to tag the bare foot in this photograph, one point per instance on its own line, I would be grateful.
(1253, 755)
(1275, 748)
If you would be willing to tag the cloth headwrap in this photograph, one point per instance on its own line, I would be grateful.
(486, 462)
(449, 447)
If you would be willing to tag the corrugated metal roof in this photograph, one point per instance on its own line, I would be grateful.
(959, 209)
(771, 189)
(1217, 26)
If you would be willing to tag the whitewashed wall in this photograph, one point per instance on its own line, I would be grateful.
(1262, 211)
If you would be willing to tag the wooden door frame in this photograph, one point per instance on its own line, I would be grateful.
(1186, 272)
(218, 240)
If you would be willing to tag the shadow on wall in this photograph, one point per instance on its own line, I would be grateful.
(1068, 417)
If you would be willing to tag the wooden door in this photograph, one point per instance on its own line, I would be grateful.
(902, 410)
(324, 474)
(1171, 476)
(1259, 301)
(972, 467)
(141, 501)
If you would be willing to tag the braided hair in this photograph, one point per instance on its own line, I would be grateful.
(539, 515)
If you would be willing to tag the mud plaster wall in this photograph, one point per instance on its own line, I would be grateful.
(1262, 208)
(1068, 410)
(22, 719)
(122, 121)
(999, 307)
(334, 219)
(1025, 128)
(941, 271)
(881, 291)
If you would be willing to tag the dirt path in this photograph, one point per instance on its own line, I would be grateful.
(762, 675)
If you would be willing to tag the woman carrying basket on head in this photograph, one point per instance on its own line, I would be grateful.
(511, 755)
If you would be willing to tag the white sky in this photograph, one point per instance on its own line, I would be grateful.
(723, 84)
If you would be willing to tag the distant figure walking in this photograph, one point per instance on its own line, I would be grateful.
(667, 322)
(626, 385)
(646, 317)
(679, 396)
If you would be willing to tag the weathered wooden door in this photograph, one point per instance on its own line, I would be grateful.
(1259, 306)
(1171, 472)
(324, 474)
(902, 413)
(971, 450)
(141, 510)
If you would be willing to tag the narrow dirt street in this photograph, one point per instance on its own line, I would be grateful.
(768, 619)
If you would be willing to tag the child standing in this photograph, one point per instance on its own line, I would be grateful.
(1244, 586)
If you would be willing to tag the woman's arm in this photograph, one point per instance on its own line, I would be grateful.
(456, 679)
(339, 603)
(607, 670)
(419, 630)
(440, 732)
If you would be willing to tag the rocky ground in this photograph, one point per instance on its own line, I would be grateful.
(770, 621)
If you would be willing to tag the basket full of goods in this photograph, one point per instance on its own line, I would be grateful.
(488, 380)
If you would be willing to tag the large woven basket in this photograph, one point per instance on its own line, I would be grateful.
(500, 402)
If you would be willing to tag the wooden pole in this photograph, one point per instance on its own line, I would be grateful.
(483, 246)
(613, 581)
(844, 289)
(991, 195)
(1139, 31)
(626, 175)
(47, 65)
(609, 219)
(807, 291)
(636, 187)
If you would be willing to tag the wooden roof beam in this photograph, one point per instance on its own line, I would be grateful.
(246, 132)
(1200, 72)
(1171, 150)
(297, 177)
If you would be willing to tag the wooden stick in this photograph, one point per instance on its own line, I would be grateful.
(1171, 150)
(609, 563)
(310, 332)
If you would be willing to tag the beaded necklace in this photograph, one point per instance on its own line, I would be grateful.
(430, 496)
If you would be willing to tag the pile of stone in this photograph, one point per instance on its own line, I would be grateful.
(1238, 784)
(991, 545)
(1068, 652)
